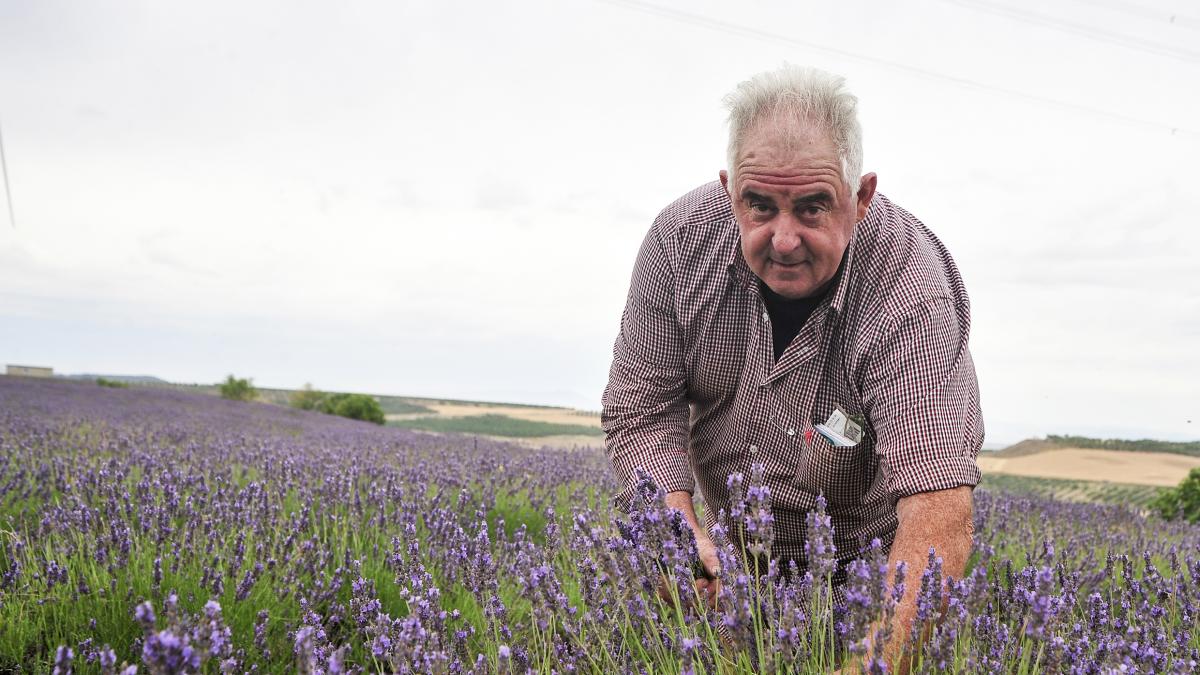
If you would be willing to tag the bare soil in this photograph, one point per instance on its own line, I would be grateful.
(548, 415)
(561, 441)
(1141, 468)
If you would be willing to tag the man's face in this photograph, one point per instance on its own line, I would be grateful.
(795, 212)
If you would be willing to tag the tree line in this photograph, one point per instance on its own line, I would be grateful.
(1141, 445)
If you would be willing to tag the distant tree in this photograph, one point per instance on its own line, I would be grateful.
(354, 406)
(307, 398)
(238, 389)
(1182, 500)
(115, 384)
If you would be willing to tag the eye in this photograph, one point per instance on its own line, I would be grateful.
(761, 208)
(812, 210)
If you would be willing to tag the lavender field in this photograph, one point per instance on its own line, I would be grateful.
(170, 532)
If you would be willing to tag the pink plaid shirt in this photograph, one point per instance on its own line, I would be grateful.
(695, 393)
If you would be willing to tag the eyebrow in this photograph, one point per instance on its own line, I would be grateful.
(751, 195)
(815, 198)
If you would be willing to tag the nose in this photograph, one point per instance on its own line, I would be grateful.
(786, 240)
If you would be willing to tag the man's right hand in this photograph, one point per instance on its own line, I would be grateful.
(708, 580)
(708, 585)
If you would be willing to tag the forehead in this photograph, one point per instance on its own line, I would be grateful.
(773, 152)
(783, 147)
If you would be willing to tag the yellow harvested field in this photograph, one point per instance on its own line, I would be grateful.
(1141, 468)
(532, 414)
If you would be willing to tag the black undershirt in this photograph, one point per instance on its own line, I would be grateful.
(787, 316)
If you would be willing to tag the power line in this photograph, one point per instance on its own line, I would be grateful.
(746, 31)
(1091, 32)
(7, 192)
(1169, 17)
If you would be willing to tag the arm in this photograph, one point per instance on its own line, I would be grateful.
(645, 409)
(922, 400)
(942, 520)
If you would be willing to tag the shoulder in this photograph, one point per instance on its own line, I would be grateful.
(697, 231)
(706, 207)
(705, 204)
(899, 265)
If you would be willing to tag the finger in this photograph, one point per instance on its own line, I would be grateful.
(664, 591)
(714, 593)
(703, 591)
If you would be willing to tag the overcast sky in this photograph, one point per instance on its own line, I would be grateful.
(445, 198)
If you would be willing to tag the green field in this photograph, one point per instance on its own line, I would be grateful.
(496, 425)
(1101, 492)
(394, 405)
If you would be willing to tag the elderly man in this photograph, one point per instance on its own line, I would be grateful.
(791, 316)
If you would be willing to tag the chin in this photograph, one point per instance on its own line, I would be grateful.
(792, 291)
(789, 284)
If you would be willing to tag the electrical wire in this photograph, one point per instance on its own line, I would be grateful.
(756, 33)
(1091, 32)
(1134, 9)
(7, 192)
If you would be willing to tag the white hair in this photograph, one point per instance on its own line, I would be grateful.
(803, 97)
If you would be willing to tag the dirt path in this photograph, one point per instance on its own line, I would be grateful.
(559, 441)
(1141, 468)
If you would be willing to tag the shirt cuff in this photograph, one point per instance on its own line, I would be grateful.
(672, 474)
(940, 474)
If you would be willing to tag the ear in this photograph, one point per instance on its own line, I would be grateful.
(866, 191)
(724, 175)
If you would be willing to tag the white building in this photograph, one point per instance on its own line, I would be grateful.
(29, 371)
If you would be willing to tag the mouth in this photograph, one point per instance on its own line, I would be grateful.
(788, 265)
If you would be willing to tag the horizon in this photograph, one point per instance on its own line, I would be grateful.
(988, 445)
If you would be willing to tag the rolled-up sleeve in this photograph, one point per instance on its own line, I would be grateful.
(645, 409)
(922, 401)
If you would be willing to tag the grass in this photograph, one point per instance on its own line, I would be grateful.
(496, 425)
(394, 405)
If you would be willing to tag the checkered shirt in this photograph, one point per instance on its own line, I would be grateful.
(695, 393)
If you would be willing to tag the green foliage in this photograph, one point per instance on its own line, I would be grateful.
(115, 384)
(497, 425)
(306, 398)
(1141, 445)
(1182, 500)
(236, 389)
(354, 406)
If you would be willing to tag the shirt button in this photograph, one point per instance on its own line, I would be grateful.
(766, 317)
(791, 431)
(753, 449)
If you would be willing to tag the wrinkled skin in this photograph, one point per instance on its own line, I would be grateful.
(795, 212)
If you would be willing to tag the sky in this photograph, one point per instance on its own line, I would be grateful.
(445, 198)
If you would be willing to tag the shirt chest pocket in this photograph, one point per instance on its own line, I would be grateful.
(842, 474)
